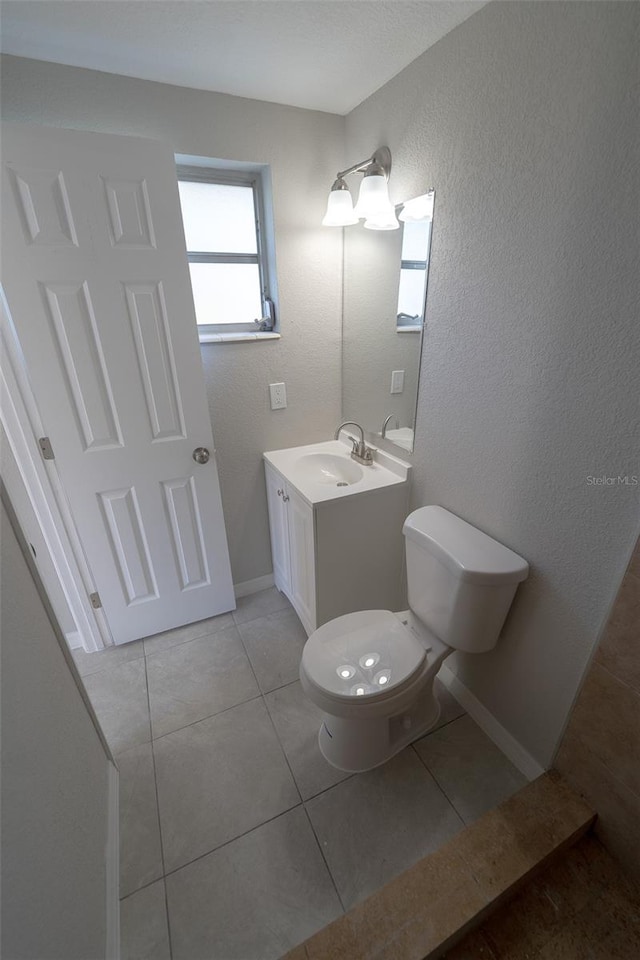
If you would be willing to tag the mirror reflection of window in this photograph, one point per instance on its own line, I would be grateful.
(413, 272)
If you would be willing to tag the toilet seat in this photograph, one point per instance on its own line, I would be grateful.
(363, 657)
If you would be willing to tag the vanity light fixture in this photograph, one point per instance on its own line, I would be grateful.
(373, 206)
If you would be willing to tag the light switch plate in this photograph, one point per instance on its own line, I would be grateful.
(278, 393)
(397, 381)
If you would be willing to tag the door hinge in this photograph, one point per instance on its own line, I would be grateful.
(96, 602)
(46, 448)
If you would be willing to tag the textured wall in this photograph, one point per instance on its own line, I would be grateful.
(600, 751)
(523, 119)
(304, 149)
(54, 786)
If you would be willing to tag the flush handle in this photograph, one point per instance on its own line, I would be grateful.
(201, 455)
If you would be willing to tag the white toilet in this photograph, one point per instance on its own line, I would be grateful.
(372, 672)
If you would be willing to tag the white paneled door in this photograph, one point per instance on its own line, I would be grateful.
(95, 273)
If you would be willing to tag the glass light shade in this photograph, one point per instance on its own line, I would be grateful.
(339, 210)
(373, 198)
(385, 220)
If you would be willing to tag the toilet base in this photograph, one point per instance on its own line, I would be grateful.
(355, 746)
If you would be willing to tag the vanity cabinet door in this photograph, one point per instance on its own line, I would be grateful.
(302, 554)
(279, 529)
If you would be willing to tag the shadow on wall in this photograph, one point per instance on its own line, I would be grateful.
(600, 752)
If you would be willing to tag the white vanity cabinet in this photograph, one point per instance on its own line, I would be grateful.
(336, 554)
(291, 523)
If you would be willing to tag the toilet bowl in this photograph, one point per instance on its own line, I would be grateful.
(372, 672)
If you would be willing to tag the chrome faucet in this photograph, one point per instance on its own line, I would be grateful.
(361, 452)
(386, 424)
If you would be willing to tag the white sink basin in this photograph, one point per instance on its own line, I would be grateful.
(338, 471)
(325, 471)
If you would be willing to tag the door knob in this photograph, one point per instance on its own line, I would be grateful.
(201, 455)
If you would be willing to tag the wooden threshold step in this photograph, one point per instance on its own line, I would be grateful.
(427, 909)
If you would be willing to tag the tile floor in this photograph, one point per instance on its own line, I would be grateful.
(238, 840)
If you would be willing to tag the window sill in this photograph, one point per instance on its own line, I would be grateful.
(417, 328)
(236, 337)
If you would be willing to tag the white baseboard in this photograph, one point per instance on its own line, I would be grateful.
(74, 640)
(112, 951)
(253, 586)
(511, 748)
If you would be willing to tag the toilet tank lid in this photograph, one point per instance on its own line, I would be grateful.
(468, 552)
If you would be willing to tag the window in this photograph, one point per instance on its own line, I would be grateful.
(223, 216)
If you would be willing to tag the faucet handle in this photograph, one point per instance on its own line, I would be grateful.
(362, 453)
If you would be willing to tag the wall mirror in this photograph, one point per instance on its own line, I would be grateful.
(384, 299)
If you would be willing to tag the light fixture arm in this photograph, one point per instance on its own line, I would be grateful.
(381, 158)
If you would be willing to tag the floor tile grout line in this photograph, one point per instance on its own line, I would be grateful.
(259, 696)
(324, 859)
(289, 683)
(219, 713)
(181, 643)
(226, 843)
(266, 706)
(263, 696)
(332, 786)
(439, 785)
(145, 886)
(109, 666)
(287, 606)
(432, 772)
(320, 792)
(434, 730)
(155, 783)
(295, 806)
(209, 716)
(166, 910)
(246, 653)
(280, 744)
(141, 640)
(303, 802)
(144, 654)
(350, 777)
(288, 810)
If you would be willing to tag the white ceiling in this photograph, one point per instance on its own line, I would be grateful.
(319, 54)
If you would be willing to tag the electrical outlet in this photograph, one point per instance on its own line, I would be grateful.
(397, 381)
(278, 392)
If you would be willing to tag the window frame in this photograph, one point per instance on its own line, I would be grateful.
(238, 178)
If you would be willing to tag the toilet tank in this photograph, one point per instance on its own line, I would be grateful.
(460, 581)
